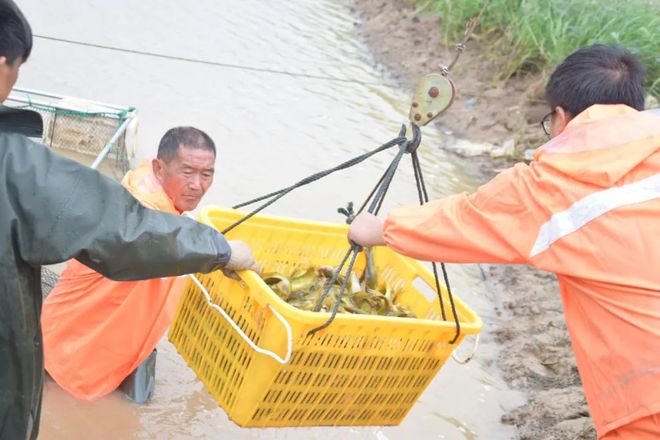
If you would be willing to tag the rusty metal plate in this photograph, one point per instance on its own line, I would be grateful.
(434, 94)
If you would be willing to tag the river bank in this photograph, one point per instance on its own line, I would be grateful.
(502, 117)
(487, 110)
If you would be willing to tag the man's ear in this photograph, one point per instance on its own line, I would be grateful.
(3, 60)
(158, 167)
(561, 118)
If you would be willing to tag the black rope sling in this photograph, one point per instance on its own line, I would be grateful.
(375, 198)
(374, 201)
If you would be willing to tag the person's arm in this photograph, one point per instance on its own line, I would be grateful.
(489, 226)
(66, 210)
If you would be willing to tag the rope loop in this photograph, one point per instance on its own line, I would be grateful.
(411, 145)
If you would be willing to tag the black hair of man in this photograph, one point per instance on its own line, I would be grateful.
(187, 137)
(15, 33)
(597, 74)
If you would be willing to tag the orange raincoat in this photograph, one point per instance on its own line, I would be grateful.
(97, 331)
(588, 209)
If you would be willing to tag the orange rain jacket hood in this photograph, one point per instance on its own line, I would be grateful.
(588, 209)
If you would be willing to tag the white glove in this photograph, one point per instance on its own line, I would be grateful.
(241, 257)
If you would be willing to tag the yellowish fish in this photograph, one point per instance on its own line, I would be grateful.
(303, 289)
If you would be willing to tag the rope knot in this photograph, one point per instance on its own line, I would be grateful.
(412, 144)
(348, 212)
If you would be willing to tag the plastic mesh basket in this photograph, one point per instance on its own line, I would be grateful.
(361, 370)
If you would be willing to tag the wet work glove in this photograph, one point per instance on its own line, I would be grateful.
(241, 258)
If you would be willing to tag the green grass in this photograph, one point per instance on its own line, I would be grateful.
(535, 35)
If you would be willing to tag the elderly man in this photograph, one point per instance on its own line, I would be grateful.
(96, 330)
(53, 209)
(586, 208)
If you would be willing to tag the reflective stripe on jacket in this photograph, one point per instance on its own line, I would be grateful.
(588, 209)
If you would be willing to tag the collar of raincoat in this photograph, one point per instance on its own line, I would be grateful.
(602, 144)
(144, 186)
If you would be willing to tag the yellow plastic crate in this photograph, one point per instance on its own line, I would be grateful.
(361, 370)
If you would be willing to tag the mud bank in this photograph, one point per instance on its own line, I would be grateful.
(536, 355)
(487, 109)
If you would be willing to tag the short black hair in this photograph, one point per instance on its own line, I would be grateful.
(597, 74)
(15, 33)
(189, 137)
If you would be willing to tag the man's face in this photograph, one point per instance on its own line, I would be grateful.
(186, 177)
(8, 76)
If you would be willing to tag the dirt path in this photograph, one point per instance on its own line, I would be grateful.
(536, 355)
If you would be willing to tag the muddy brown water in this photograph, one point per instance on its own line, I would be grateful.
(271, 130)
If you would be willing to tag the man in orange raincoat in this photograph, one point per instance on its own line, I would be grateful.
(587, 208)
(97, 331)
